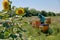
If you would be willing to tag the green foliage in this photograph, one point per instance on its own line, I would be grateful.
(44, 13)
(58, 14)
(51, 14)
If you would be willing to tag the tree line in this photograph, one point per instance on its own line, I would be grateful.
(34, 12)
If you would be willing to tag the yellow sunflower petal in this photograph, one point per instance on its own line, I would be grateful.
(20, 11)
(5, 5)
(5, 0)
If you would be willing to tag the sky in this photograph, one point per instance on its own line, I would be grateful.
(47, 5)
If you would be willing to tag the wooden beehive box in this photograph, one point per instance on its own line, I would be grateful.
(48, 20)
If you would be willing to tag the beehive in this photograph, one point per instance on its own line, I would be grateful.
(45, 27)
(48, 20)
(36, 23)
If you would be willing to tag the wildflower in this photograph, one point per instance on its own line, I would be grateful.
(20, 11)
(5, 0)
(5, 5)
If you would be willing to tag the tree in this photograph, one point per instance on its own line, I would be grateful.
(28, 13)
(44, 13)
(34, 12)
(51, 14)
(58, 14)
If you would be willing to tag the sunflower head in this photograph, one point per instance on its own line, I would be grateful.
(5, 5)
(6, 0)
(20, 11)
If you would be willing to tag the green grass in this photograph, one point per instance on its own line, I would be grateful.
(55, 26)
(32, 33)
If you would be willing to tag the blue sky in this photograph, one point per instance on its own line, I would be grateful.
(47, 5)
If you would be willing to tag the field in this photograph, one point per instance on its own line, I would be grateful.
(32, 33)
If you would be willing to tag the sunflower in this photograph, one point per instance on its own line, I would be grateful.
(20, 11)
(5, 5)
(5, 0)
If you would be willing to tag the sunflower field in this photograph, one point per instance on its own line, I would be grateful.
(13, 26)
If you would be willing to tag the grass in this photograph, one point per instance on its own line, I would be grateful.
(32, 33)
(55, 26)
